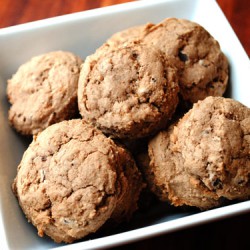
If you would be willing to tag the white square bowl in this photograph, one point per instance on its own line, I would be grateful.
(82, 33)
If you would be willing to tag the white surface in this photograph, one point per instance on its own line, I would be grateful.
(82, 33)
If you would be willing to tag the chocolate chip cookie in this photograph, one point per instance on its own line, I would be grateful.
(204, 159)
(72, 179)
(43, 91)
(202, 67)
(127, 91)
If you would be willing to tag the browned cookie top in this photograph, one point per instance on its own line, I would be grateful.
(127, 91)
(202, 67)
(71, 181)
(205, 157)
(44, 91)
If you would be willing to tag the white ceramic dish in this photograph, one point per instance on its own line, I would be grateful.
(82, 33)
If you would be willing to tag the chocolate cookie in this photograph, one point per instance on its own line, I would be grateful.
(202, 67)
(72, 179)
(204, 159)
(44, 91)
(127, 92)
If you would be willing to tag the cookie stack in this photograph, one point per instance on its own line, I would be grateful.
(134, 86)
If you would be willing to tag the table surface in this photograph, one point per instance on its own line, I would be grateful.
(232, 233)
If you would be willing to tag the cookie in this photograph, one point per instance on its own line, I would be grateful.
(128, 35)
(204, 159)
(127, 91)
(43, 91)
(202, 66)
(130, 189)
(72, 179)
